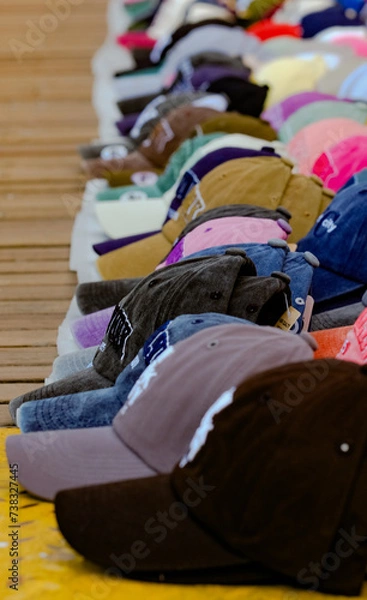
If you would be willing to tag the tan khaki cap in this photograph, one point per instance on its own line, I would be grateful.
(261, 181)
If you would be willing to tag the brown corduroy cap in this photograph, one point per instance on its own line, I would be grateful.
(168, 135)
(155, 151)
(276, 473)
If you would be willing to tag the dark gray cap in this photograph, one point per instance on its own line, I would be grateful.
(225, 284)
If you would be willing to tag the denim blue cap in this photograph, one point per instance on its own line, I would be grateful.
(266, 257)
(276, 256)
(99, 407)
(300, 267)
(339, 241)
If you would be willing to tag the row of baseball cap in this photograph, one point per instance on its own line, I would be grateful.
(193, 338)
(322, 133)
(333, 59)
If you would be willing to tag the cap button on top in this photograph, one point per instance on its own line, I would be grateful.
(287, 161)
(317, 180)
(277, 243)
(284, 225)
(346, 447)
(312, 259)
(282, 276)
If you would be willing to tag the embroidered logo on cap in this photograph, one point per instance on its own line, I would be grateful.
(329, 225)
(157, 343)
(326, 223)
(187, 182)
(206, 425)
(164, 136)
(196, 207)
(118, 331)
(144, 380)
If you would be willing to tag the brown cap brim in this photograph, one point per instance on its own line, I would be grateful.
(140, 526)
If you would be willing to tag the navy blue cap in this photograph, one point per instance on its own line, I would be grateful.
(335, 16)
(276, 256)
(339, 241)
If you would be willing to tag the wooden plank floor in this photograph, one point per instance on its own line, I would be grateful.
(45, 112)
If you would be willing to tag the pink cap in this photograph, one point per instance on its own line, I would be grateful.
(311, 141)
(339, 163)
(228, 230)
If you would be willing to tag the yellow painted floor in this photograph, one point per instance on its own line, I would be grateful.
(45, 112)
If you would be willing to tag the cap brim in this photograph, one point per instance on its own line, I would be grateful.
(135, 260)
(110, 245)
(82, 381)
(104, 522)
(120, 219)
(92, 297)
(71, 363)
(327, 285)
(330, 341)
(89, 330)
(50, 461)
(152, 191)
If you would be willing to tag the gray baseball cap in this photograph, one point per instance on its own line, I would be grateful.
(225, 284)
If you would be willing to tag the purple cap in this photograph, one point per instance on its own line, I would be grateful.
(89, 330)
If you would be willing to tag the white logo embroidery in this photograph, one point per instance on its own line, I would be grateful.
(329, 225)
(145, 379)
(165, 136)
(197, 205)
(206, 425)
